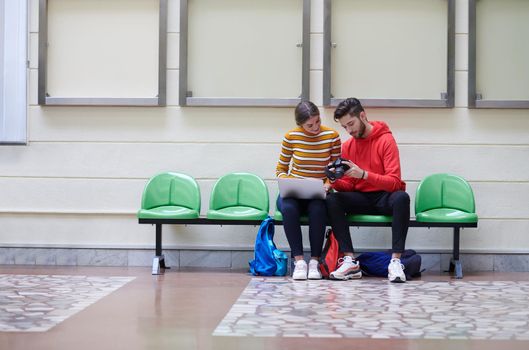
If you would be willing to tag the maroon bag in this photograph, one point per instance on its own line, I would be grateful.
(330, 255)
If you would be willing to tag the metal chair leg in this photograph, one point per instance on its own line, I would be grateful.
(158, 265)
(458, 269)
(455, 263)
(158, 262)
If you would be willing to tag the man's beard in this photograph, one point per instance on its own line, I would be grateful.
(361, 132)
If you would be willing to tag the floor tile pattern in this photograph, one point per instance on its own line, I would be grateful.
(373, 308)
(36, 303)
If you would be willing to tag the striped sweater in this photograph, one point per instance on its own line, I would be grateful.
(304, 155)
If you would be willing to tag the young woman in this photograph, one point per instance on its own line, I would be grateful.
(305, 152)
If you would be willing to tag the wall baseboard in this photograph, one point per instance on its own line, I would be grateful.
(231, 259)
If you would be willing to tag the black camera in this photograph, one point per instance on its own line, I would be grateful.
(339, 169)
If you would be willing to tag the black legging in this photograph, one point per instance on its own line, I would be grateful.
(396, 204)
(292, 209)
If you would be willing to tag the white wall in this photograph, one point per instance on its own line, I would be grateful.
(79, 181)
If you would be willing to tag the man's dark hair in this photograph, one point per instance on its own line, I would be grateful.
(351, 106)
(305, 110)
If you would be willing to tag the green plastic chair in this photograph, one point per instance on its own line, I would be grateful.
(369, 218)
(170, 196)
(445, 198)
(278, 216)
(239, 196)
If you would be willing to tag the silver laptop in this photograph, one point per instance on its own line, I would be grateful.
(301, 188)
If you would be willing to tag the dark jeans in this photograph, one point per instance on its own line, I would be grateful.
(292, 209)
(397, 204)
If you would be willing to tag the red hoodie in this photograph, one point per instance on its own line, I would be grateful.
(378, 155)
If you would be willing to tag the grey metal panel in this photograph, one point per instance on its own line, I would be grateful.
(521, 104)
(13, 94)
(101, 101)
(44, 99)
(472, 54)
(184, 32)
(393, 102)
(239, 102)
(185, 99)
(305, 71)
(162, 54)
(43, 50)
(327, 47)
(2, 53)
(451, 54)
(448, 102)
(13, 143)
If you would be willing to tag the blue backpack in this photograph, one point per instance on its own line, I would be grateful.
(376, 263)
(268, 260)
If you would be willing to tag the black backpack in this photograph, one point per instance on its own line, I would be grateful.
(376, 263)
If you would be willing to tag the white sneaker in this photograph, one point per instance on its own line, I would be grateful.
(314, 270)
(300, 270)
(396, 271)
(347, 269)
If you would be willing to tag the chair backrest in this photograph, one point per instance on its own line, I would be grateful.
(239, 189)
(444, 191)
(171, 189)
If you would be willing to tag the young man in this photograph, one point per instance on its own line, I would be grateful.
(372, 185)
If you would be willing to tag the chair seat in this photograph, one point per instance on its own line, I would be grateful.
(279, 217)
(356, 218)
(237, 213)
(168, 212)
(446, 215)
(369, 218)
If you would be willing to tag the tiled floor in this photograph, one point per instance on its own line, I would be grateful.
(194, 309)
(36, 303)
(374, 308)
